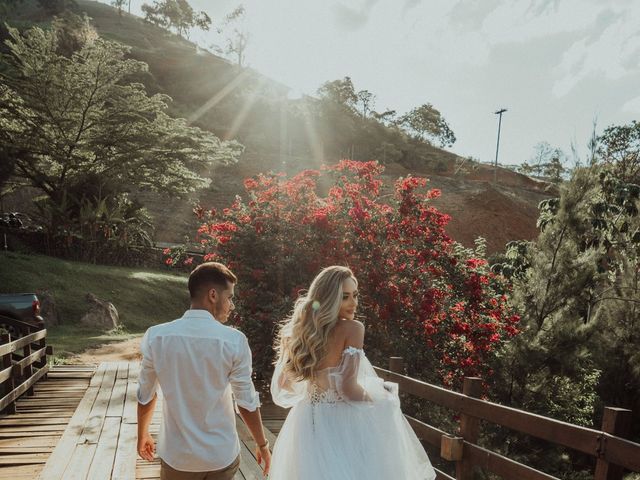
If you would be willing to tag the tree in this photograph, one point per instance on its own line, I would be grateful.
(547, 162)
(119, 4)
(340, 92)
(177, 14)
(366, 99)
(620, 146)
(72, 32)
(428, 124)
(238, 38)
(68, 118)
(578, 288)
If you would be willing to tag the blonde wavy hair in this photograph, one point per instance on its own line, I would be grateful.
(302, 338)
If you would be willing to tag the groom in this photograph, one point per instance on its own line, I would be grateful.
(199, 362)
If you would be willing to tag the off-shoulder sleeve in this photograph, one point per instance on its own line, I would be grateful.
(286, 391)
(356, 381)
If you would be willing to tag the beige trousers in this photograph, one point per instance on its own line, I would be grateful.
(168, 473)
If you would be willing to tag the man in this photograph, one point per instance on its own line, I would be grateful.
(198, 362)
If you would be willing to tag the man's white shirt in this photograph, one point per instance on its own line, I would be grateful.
(198, 362)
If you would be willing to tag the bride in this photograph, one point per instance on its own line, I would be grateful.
(345, 423)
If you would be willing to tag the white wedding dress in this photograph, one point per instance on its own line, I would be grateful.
(346, 424)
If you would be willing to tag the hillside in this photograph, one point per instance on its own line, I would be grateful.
(243, 104)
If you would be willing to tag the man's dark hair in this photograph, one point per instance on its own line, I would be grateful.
(208, 275)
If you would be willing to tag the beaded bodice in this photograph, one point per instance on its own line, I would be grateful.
(317, 395)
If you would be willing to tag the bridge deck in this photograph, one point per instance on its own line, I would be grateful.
(28, 437)
(82, 424)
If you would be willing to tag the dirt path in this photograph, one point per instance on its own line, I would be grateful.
(128, 350)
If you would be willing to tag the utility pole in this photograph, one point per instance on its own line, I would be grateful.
(495, 167)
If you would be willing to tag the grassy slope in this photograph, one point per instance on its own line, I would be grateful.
(142, 297)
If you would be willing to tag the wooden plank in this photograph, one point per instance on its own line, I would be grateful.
(426, 432)
(622, 452)
(502, 466)
(125, 461)
(6, 374)
(16, 422)
(80, 462)
(96, 380)
(248, 465)
(11, 396)
(123, 370)
(130, 413)
(33, 428)
(555, 431)
(20, 367)
(102, 464)
(21, 342)
(57, 462)
(48, 441)
(25, 459)
(93, 425)
(19, 450)
(22, 472)
(116, 403)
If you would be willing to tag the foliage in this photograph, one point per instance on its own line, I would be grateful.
(119, 4)
(620, 147)
(424, 296)
(578, 288)
(237, 37)
(143, 297)
(67, 119)
(177, 14)
(429, 124)
(73, 32)
(547, 162)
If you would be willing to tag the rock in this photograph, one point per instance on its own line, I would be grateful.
(101, 314)
(48, 310)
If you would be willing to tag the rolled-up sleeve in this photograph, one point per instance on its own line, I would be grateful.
(240, 377)
(148, 379)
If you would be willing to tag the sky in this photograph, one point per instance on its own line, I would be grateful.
(557, 66)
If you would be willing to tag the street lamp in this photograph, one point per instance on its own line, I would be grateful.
(495, 167)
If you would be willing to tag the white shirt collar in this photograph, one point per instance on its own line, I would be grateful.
(199, 314)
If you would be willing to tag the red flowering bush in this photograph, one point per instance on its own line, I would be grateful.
(424, 297)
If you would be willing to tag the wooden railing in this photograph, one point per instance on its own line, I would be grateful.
(612, 452)
(20, 371)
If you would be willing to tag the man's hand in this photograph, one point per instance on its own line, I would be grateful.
(263, 454)
(146, 447)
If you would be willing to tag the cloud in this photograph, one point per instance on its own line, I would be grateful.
(352, 19)
(610, 49)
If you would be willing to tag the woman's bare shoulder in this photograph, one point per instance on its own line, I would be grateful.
(350, 333)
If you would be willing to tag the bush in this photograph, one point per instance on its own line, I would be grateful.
(424, 296)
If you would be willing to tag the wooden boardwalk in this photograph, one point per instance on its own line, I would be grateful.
(28, 437)
(83, 425)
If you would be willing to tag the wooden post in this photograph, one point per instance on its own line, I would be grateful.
(616, 421)
(469, 428)
(396, 365)
(28, 370)
(10, 383)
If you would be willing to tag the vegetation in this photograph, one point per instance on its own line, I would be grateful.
(176, 14)
(142, 297)
(77, 127)
(577, 287)
(424, 296)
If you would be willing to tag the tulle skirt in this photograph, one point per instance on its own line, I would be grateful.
(342, 441)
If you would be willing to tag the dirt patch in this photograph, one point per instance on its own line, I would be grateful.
(129, 351)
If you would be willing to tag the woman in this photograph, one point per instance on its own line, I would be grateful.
(346, 423)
